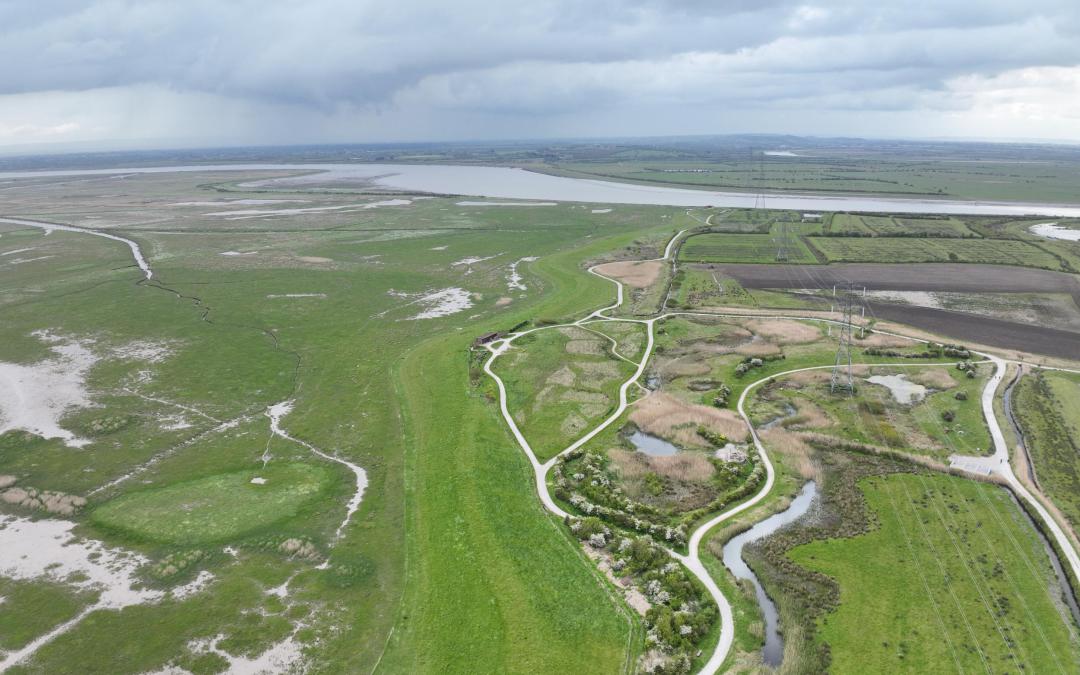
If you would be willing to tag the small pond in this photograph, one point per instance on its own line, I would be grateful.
(1055, 231)
(652, 445)
(903, 390)
(733, 560)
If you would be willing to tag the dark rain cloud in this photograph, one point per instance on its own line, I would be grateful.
(536, 58)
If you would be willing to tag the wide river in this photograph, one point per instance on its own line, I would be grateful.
(510, 183)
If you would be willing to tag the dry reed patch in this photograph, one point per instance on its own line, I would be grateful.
(809, 416)
(597, 371)
(585, 347)
(563, 376)
(573, 424)
(635, 274)
(681, 367)
(793, 446)
(785, 331)
(688, 467)
(808, 377)
(935, 378)
(666, 416)
(758, 348)
(885, 341)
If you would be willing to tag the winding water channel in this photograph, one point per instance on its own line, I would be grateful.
(773, 652)
(512, 183)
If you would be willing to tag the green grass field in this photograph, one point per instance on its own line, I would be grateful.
(560, 382)
(951, 579)
(916, 249)
(885, 226)
(216, 508)
(747, 248)
(318, 309)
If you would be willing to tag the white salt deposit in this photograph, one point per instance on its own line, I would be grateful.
(439, 248)
(194, 586)
(266, 213)
(173, 422)
(47, 549)
(243, 202)
(258, 480)
(136, 252)
(472, 260)
(279, 410)
(143, 350)
(919, 298)
(901, 389)
(236, 253)
(18, 250)
(36, 396)
(513, 280)
(283, 657)
(780, 153)
(20, 261)
(1055, 231)
(601, 211)
(468, 203)
(443, 303)
(297, 295)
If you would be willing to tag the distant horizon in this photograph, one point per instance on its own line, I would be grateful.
(118, 147)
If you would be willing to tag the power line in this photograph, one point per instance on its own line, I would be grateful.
(842, 377)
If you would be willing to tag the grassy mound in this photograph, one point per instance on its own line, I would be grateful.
(215, 508)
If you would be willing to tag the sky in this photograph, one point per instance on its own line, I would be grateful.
(124, 74)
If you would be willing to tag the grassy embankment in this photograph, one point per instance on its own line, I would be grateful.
(1047, 407)
(493, 583)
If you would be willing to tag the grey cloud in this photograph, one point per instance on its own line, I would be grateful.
(420, 60)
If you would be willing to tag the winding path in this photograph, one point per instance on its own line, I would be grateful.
(998, 464)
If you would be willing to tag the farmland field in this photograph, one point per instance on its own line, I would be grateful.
(754, 248)
(916, 250)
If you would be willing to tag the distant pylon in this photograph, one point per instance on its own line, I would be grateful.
(841, 373)
(781, 249)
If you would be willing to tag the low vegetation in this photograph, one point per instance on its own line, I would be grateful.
(1047, 407)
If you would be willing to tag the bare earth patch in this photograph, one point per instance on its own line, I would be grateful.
(635, 274)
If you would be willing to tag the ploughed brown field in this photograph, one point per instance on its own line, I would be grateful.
(942, 277)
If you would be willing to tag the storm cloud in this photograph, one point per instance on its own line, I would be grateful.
(356, 70)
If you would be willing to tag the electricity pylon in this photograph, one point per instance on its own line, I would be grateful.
(841, 372)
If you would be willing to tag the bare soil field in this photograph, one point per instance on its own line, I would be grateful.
(984, 330)
(963, 326)
(632, 273)
(957, 278)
